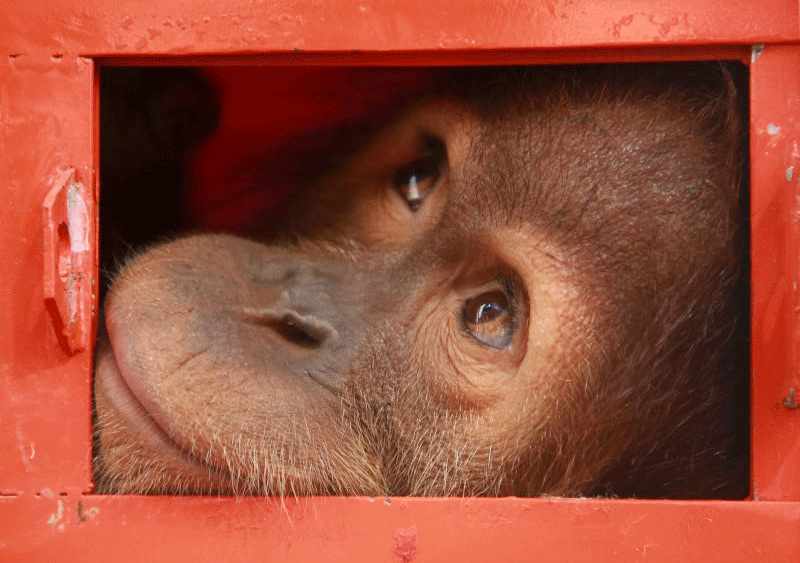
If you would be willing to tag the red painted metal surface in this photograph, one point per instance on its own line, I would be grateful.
(151, 529)
(232, 26)
(46, 108)
(48, 101)
(775, 232)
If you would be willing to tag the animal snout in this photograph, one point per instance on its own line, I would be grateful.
(311, 307)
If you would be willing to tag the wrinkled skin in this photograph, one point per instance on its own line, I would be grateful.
(526, 284)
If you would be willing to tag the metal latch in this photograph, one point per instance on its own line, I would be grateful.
(67, 261)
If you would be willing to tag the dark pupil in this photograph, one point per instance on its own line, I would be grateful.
(488, 312)
(417, 173)
(489, 307)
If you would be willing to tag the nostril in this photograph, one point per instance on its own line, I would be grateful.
(297, 332)
(301, 330)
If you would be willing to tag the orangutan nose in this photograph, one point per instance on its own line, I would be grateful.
(303, 330)
(319, 307)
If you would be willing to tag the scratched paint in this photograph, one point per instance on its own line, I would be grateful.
(56, 520)
(85, 514)
(405, 544)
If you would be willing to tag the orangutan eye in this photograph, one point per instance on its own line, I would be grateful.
(489, 318)
(416, 181)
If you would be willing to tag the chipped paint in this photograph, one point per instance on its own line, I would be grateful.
(77, 219)
(56, 520)
(789, 400)
(773, 129)
(789, 173)
(47, 493)
(27, 449)
(88, 513)
(756, 52)
(67, 257)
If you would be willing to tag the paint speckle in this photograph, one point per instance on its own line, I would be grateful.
(47, 492)
(405, 544)
(789, 400)
(756, 52)
(773, 129)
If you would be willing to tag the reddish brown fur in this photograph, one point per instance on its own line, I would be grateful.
(603, 200)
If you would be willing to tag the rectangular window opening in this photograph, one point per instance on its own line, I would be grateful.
(227, 149)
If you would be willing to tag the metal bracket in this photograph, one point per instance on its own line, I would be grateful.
(67, 263)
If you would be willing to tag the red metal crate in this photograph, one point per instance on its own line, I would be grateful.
(50, 53)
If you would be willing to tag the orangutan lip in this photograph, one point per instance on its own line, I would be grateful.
(123, 400)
